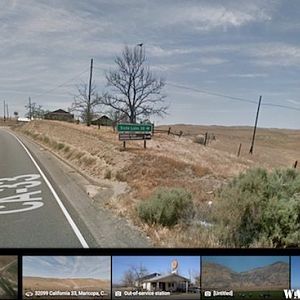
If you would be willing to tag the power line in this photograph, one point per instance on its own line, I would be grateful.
(231, 97)
(62, 84)
(212, 93)
(281, 106)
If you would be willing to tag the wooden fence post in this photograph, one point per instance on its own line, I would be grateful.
(239, 151)
(205, 139)
(295, 164)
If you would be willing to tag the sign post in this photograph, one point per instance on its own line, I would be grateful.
(134, 132)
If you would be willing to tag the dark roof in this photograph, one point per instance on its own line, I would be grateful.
(152, 275)
(59, 111)
(102, 117)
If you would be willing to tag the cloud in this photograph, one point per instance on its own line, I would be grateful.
(212, 60)
(280, 54)
(248, 75)
(293, 101)
(206, 16)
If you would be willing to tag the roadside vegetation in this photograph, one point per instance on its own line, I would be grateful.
(167, 207)
(260, 209)
(181, 193)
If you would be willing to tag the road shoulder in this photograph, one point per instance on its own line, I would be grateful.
(101, 228)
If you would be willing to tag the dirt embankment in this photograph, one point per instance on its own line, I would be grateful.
(168, 161)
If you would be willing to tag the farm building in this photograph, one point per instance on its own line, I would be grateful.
(60, 115)
(103, 120)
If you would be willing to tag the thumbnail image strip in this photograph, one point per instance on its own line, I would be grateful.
(156, 277)
(294, 291)
(245, 277)
(67, 277)
(8, 277)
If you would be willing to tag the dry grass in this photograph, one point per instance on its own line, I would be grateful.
(169, 161)
(65, 284)
(273, 147)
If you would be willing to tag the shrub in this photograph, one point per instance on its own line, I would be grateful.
(60, 146)
(107, 174)
(167, 207)
(66, 149)
(260, 208)
(199, 139)
(46, 139)
(120, 176)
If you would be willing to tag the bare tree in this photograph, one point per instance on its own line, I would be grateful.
(139, 271)
(82, 104)
(116, 116)
(197, 278)
(128, 279)
(134, 274)
(35, 111)
(134, 90)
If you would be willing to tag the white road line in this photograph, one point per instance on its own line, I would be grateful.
(64, 210)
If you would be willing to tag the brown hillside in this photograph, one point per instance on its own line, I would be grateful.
(168, 161)
(84, 284)
(270, 277)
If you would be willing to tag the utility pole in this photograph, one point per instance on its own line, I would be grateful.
(29, 108)
(4, 118)
(254, 131)
(7, 113)
(88, 110)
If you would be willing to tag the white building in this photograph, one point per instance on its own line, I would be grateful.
(170, 283)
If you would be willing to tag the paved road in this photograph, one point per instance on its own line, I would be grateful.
(31, 212)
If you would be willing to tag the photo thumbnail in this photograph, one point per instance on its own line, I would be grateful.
(8, 277)
(67, 277)
(156, 277)
(244, 277)
(294, 292)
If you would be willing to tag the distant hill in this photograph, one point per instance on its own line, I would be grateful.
(270, 277)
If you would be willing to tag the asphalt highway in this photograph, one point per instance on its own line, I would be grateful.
(32, 215)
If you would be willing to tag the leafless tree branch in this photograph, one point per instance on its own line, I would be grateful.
(133, 89)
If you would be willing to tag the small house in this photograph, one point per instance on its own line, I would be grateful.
(103, 121)
(60, 115)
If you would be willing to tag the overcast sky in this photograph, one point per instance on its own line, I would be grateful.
(97, 267)
(239, 48)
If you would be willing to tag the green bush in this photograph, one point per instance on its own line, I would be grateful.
(66, 149)
(60, 146)
(167, 207)
(259, 208)
(46, 140)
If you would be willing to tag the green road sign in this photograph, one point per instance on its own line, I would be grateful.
(134, 128)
